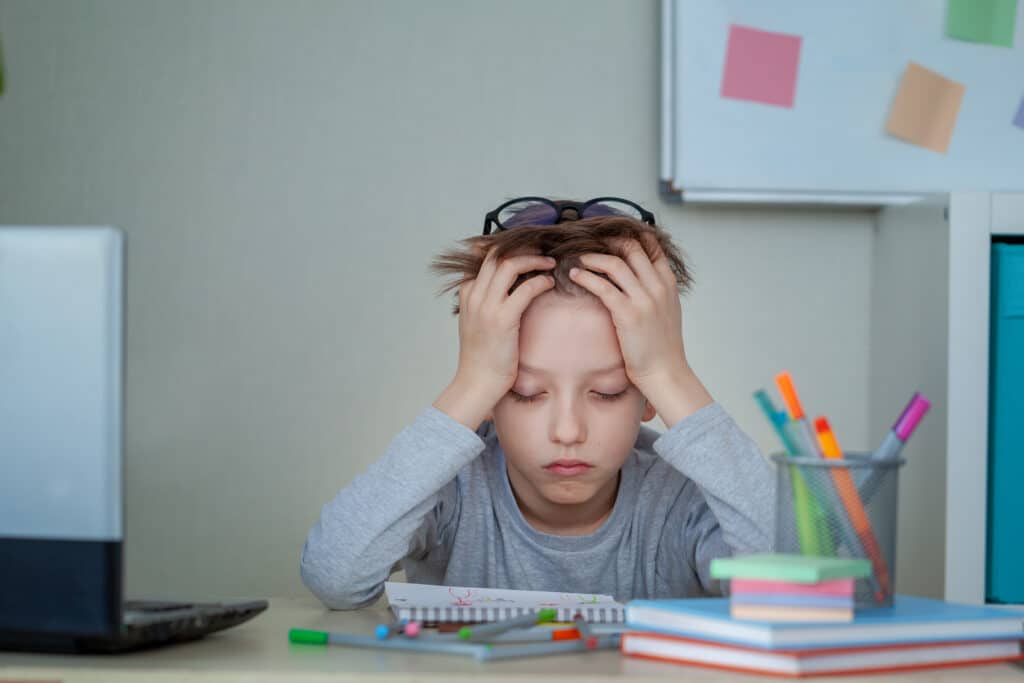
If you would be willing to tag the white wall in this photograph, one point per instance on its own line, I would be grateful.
(285, 171)
(909, 352)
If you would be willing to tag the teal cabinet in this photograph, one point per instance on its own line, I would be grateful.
(1005, 542)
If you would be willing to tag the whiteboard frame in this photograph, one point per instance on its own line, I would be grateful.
(674, 188)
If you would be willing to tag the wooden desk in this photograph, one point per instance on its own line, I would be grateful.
(259, 651)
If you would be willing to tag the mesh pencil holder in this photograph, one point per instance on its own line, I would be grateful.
(841, 508)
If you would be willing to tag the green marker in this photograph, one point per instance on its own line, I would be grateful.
(479, 633)
(811, 522)
(310, 637)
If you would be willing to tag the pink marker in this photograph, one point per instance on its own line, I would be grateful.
(904, 427)
(894, 441)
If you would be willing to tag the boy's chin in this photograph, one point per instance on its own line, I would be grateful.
(570, 493)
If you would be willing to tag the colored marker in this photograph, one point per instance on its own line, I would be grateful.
(807, 443)
(477, 633)
(903, 428)
(530, 636)
(538, 649)
(526, 635)
(586, 633)
(454, 627)
(385, 631)
(810, 444)
(804, 509)
(847, 489)
(894, 441)
(310, 637)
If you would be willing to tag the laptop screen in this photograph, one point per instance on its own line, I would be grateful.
(61, 522)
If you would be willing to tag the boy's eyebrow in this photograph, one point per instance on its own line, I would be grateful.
(599, 371)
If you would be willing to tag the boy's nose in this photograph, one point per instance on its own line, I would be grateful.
(568, 425)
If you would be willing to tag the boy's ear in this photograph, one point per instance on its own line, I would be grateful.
(649, 411)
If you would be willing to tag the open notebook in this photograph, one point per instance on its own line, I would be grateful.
(419, 602)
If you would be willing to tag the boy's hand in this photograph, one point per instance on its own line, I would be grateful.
(648, 321)
(489, 319)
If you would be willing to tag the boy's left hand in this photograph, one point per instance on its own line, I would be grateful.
(648, 321)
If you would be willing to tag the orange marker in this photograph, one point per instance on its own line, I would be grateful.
(811, 447)
(808, 444)
(854, 506)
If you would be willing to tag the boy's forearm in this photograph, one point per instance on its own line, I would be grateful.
(467, 402)
(737, 481)
(677, 394)
(371, 523)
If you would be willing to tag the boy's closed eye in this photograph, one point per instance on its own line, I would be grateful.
(530, 397)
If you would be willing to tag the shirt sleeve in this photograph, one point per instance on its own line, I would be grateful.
(732, 511)
(400, 507)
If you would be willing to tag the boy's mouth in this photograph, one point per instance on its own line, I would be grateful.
(567, 468)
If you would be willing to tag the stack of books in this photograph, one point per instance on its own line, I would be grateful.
(915, 633)
(777, 587)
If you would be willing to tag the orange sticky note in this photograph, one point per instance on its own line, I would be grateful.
(925, 109)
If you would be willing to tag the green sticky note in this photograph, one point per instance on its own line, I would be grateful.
(982, 21)
(795, 568)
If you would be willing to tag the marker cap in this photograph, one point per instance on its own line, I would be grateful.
(302, 635)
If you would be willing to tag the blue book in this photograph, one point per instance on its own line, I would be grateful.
(909, 620)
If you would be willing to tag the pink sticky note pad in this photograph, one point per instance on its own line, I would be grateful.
(838, 588)
(761, 66)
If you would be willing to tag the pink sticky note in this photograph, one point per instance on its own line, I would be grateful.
(761, 66)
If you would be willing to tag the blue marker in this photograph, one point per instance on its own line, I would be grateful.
(385, 631)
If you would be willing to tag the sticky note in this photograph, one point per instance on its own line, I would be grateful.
(982, 21)
(1018, 120)
(925, 109)
(761, 66)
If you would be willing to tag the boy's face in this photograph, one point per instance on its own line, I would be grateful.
(572, 416)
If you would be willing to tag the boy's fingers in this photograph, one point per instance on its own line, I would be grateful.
(664, 271)
(614, 300)
(527, 292)
(617, 270)
(642, 266)
(483, 278)
(510, 269)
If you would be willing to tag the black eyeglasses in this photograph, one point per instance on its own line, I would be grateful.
(543, 211)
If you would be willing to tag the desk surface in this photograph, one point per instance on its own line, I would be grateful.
(259, 651)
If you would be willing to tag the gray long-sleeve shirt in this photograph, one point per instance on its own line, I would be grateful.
(439, 505)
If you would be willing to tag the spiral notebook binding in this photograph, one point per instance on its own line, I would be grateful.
(440, 615)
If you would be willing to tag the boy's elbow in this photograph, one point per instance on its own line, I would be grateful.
(331, 588)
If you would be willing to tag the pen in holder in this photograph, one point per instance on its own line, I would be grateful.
(821, 504)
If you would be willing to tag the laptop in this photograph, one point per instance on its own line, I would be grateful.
(61, 476)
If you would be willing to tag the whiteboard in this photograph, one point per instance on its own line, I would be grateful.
(832, 145)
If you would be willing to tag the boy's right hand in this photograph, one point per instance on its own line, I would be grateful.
(489, 320)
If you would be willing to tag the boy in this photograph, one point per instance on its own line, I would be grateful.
(531, 470)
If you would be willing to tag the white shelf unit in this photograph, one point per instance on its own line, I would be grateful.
(930, 331)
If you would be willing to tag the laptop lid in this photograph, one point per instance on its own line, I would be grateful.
(61, 527)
